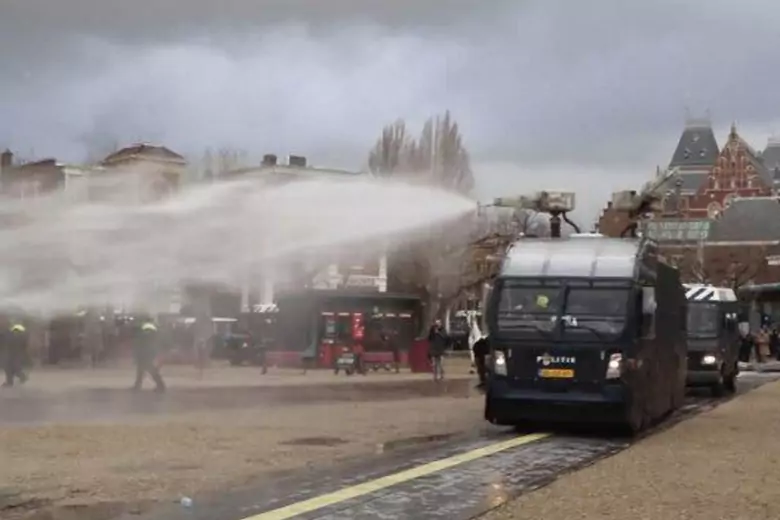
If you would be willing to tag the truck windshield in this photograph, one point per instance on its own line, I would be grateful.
(584, 310)
(703, 318)
(523, 306)
(602, 310)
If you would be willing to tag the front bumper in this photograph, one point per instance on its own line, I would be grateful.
(703, 377)
(508, 404)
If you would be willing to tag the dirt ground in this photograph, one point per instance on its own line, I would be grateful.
(217, 374)
(722, 465)
(140, 458)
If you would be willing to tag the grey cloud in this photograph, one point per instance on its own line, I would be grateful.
(602, 85)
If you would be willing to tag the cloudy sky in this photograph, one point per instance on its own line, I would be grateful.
(549, 93)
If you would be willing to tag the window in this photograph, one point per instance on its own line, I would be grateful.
(585, 302)
(585, 311)
(703, 319)
(713, 209)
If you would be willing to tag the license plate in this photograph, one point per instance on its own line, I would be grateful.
(556, 373)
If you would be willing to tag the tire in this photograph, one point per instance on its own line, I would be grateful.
(719, 388)
(730, 381)
(488, 415)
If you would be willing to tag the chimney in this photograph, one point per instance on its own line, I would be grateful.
(6, 159)
(297, 160)
(269, 159)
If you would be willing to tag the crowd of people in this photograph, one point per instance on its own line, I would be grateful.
(762, 345)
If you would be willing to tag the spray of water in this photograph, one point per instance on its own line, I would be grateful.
(99, 243)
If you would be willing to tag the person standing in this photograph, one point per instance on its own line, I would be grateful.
(762, 345)
(481, 349)
(437, 346)
(774, 342)
(15, 349)
(145, 350)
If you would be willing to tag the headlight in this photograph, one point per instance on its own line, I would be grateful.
(614, 366)
(499, 363)
(708, 359)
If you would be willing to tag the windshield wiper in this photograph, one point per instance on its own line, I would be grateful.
(574, 323)
(531, 325)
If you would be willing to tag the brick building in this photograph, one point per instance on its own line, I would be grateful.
(718, 211)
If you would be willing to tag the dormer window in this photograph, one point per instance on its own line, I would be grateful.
(687, 153)
(703, 152)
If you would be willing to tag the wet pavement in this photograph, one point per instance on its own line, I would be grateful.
(474, 477)
(27, 406)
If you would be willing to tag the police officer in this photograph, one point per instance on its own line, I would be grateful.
(15, 348)
(145, 352)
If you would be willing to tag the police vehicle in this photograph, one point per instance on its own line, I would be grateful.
(713, 337)
(585, 329)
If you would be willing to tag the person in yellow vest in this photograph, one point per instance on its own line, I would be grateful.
(145, 350)
(14, 349)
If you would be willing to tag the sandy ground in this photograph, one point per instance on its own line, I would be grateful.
(719, 465)
(217, 374)
(142, 458)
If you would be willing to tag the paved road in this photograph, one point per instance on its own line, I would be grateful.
(457, 480)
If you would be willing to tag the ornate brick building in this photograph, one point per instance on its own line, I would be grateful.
(718, 214)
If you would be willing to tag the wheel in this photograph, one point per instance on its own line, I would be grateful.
(636, 421)
(719, 388)
(488, 410)
(730, 381)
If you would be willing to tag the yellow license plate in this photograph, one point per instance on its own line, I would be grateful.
(557, 373)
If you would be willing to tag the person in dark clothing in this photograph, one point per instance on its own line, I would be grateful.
(746, 348)
(145, 352)
(391, 343)
(481, 350)
(774, 343)
(437, 345)
(14, 351)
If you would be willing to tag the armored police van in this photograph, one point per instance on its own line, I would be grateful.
(713, 338)
(585, 329)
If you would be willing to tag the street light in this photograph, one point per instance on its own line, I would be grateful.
(555, 203)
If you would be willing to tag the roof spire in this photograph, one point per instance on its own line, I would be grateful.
(733, 133)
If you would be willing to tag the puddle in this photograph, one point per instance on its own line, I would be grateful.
(315, 441)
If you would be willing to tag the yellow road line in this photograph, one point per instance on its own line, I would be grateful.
(372, 486)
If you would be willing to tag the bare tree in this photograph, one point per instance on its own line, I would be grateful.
(744, 268)
(439, 155)
(449, 259)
